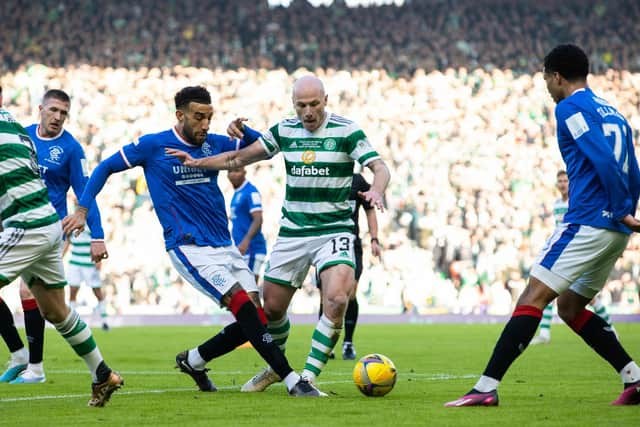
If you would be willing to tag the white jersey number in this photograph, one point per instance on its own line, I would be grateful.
(619, 150)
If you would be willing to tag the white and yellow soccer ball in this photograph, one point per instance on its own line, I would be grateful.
(374, 375)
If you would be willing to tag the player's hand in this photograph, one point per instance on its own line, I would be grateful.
(631, 222)
(74, 223)
(98, 251)
(373, 197)
(236, 128)
(376, 248)
(185, 158)
(243, 246)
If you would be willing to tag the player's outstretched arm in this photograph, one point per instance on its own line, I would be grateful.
(381, 177)
(222, 161)
(75, 223)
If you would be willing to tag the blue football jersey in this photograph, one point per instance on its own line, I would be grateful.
(595, 141)
(246, 200)
(63, 165)
(188, 202)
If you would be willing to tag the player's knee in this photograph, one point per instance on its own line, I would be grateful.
(274, 312)
(568, 311)
(54, 313)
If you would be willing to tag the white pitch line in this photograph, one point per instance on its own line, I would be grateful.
(421, 377)
(426, 377)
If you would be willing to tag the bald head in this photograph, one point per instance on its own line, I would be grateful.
(309, 101)
(306, 86)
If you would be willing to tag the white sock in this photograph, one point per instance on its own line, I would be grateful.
(20, 357)
(486, 384)
(545, 333)
(101, 308)
(291, 379)
(195, 360)
(630, 373)
(36, 369)
(309, 376)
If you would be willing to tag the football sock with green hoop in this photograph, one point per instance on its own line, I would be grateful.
(253, 328)
(323, 341)
(279, 330)
(545, 322)
(601, 310)
(78, 336)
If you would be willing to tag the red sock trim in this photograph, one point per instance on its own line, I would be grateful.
(262, 316)
(527, 310)
(238, 299)
(581, 319)
(29, 304)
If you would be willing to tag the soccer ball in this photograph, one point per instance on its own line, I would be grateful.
(374, 375)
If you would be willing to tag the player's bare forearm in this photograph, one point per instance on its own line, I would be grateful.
(222, 161)
(381, 176)
(255, 226)
(372, 223)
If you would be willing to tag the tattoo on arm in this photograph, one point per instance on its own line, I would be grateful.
(231, 162)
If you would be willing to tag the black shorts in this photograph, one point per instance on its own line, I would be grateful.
(357, 249)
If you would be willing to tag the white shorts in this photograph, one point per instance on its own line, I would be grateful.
(292, 256)
(79, 274)
(255, 262)
(213, 271)
(34, 253)
(579, 257)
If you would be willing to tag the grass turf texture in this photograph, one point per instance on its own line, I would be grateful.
(560, 384)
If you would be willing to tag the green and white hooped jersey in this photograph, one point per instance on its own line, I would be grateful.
(24, 201)
(319, 169)
(81, 249)
(560, 207)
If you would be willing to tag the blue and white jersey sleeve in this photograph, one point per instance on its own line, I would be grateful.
(254, 200)
(608, 159)
(78, 177)
(139, 151)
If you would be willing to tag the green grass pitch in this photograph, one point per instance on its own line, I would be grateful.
(561, 384)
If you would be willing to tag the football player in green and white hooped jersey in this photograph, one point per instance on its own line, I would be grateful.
(31, 247)
(560, 207)
(319, 150)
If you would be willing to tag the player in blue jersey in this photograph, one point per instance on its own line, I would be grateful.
(595, 141)
(62, 165)
(191, 210)
(246, 218)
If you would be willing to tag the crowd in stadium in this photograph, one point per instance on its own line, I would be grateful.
(466, 128)
(426, 34)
